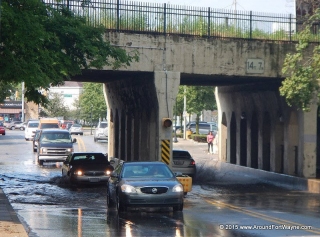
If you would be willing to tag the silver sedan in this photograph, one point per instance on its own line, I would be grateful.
(144, 184)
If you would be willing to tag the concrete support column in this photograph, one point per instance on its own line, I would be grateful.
(167, 86)
(308, 143)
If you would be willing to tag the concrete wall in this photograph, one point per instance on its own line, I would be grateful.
(194, 55)
(258, 130)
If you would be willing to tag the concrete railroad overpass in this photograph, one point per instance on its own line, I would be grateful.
(256, 127)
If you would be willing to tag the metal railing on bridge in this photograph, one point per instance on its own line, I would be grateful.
(156, 18)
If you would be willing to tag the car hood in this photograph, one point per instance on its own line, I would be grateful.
(136, 182)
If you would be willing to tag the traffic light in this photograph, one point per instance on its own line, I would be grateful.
(166, 122)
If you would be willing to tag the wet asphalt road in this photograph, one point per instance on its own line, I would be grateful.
(229, 206)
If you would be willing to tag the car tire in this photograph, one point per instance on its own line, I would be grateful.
(120, 206)
(95, 139)
(12, 128)
(21, 129)
(35, 149)
(178, 207)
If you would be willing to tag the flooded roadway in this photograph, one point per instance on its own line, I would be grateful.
(236, 206)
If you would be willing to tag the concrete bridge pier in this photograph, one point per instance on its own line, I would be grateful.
(136, 107)
(259, 130)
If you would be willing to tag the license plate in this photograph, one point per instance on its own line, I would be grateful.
(94, 180)
(178, 162)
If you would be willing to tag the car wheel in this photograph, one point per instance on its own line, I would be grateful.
(95, 139)
(12, 128)
(40, 162)
(21, 129)
(34, 149)
(120, 206)
(110, 202)
(178, 207)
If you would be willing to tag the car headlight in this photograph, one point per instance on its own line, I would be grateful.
(178, 188)
(43, 150)
(128, 188)
(78, 172)
(108, 172)
(70, 150)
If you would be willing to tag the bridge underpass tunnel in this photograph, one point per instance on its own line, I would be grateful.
(258, 129)
(136, 107)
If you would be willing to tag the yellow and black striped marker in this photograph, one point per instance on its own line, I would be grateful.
(165, 151)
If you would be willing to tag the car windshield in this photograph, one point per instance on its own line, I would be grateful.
(90, 158)
(181, 155)
(103, 125)
(76, 125)
(146, 170)
(33, 125)
(55, 137)
(49, 125)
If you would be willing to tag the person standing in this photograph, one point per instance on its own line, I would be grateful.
(210, 138)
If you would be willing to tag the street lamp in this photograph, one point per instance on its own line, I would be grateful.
(91, 120)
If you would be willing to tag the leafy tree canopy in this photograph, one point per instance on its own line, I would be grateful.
(44, 47)
(301, 69)
(92, 100)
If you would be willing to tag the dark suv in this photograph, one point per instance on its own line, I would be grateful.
(53, 145)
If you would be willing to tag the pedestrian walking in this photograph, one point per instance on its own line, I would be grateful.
(210, 138)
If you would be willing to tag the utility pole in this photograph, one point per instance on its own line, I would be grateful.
(184, 112)
(22, 102)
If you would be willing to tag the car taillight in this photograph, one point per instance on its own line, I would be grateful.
(192, 162)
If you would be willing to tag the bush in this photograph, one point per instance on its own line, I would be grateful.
(199, 138)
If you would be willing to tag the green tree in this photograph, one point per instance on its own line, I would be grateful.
(178, 108)
(200, 98)
(92, 99)
(55, 106)
(44, 47)
(302, 69)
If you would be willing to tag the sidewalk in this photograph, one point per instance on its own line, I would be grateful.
(10, 225)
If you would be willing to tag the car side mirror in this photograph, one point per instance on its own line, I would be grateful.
(74, 140)
(66, 162)
(114, 175)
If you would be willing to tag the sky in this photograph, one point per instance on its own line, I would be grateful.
(265, 6)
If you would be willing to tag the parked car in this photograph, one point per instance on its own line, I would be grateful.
(204, 127)
(54, 145)
(21, 126)
(144, 184)
(76, 129)
(100, 132)
(87, 168)
(31, 127)
(14, 124)
(2, 129)
(183, 162)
